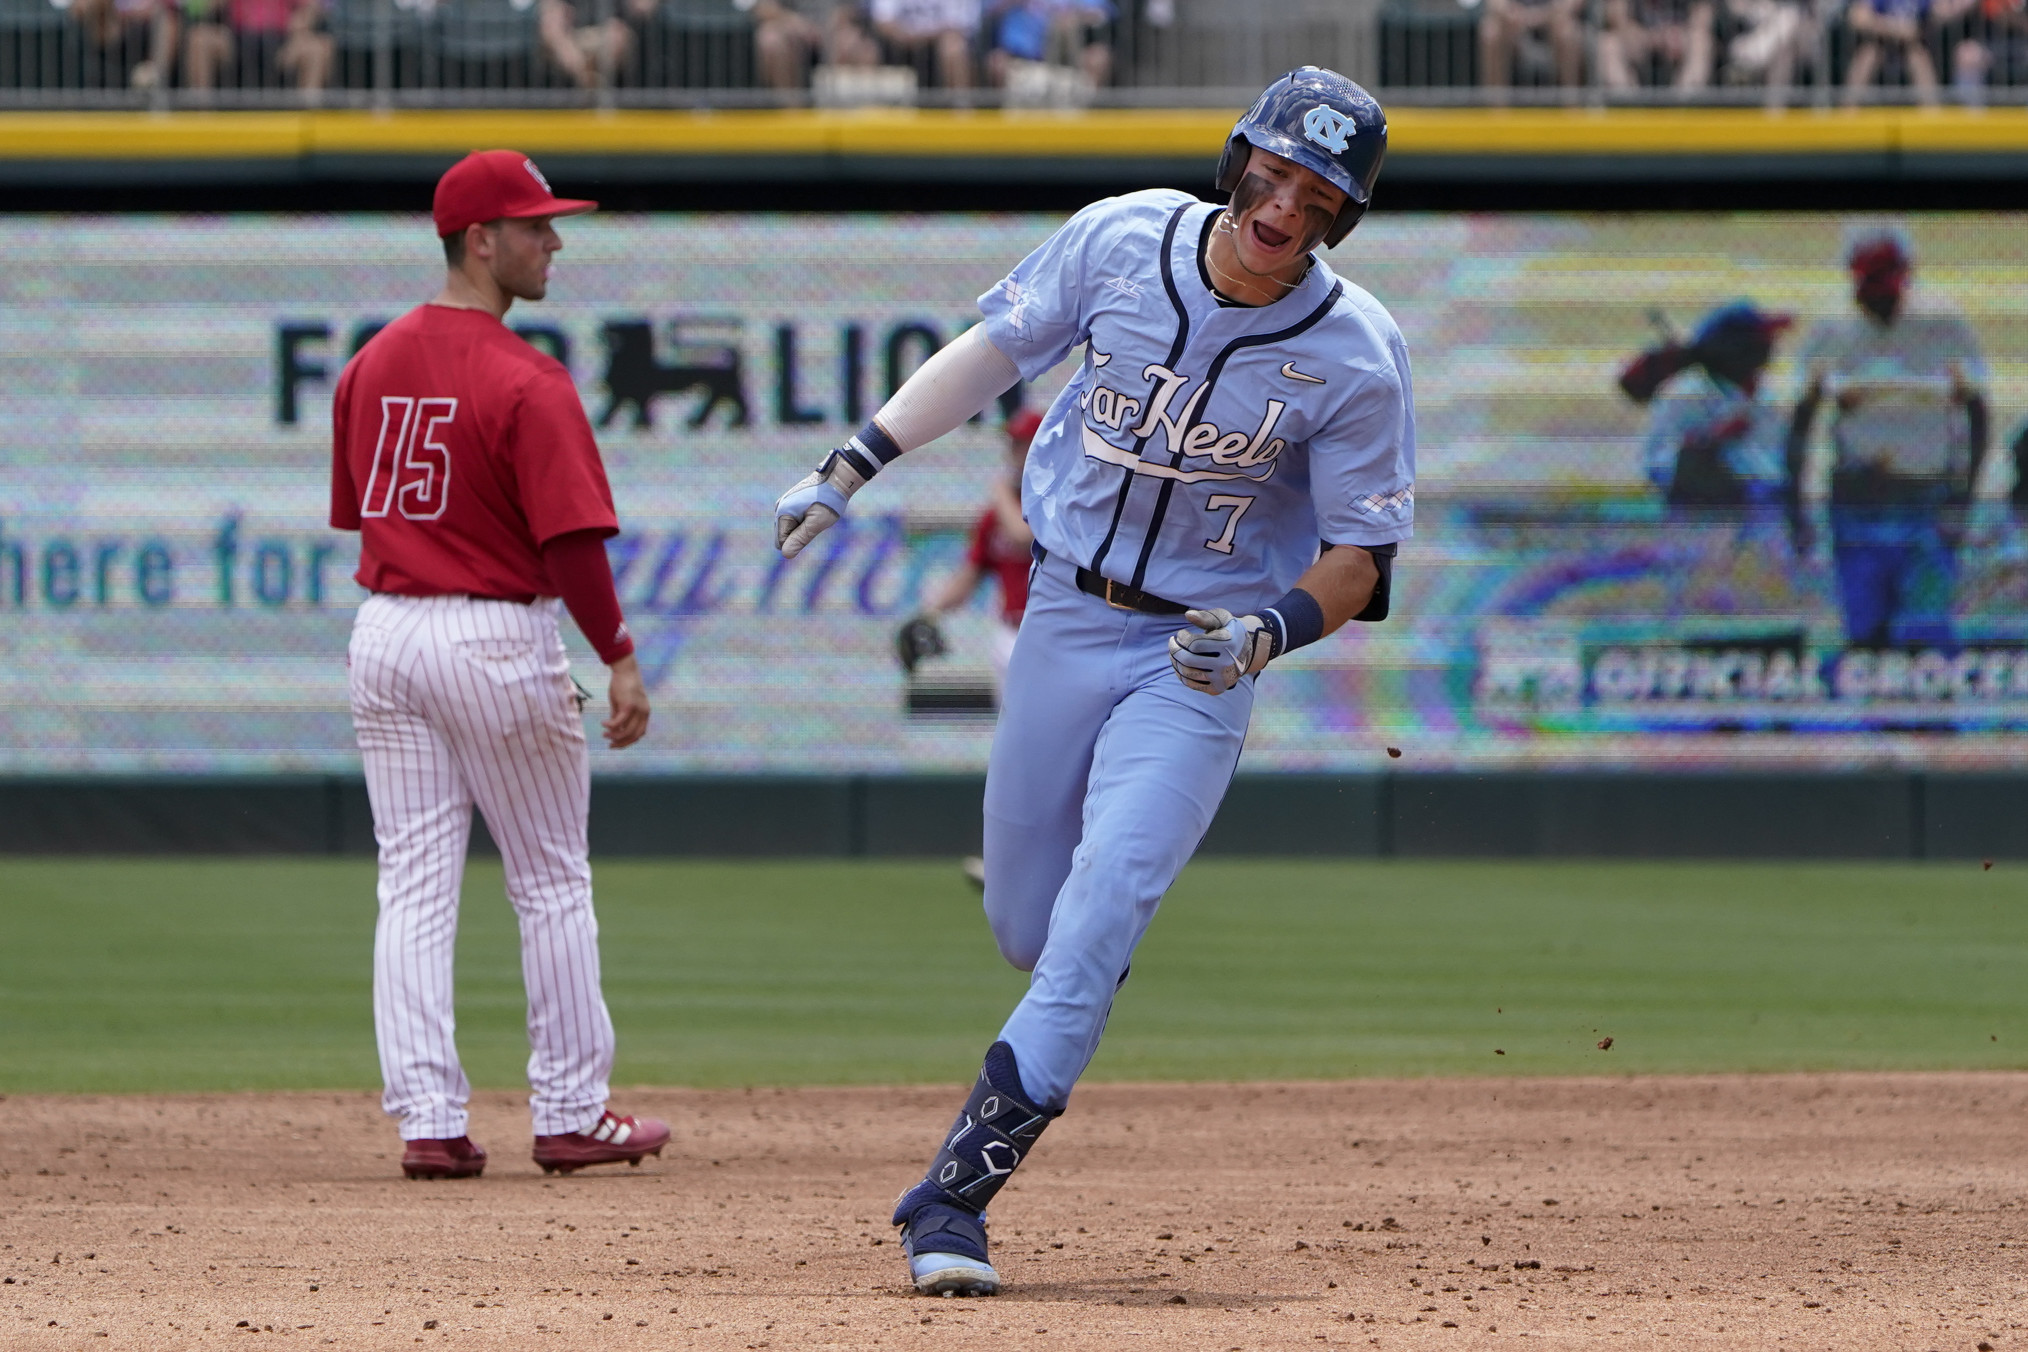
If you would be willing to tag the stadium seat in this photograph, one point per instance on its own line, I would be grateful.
(489, 44)
(1428, 44)
(699, 44)
(355, 25)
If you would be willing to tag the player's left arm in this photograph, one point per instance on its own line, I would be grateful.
(1343, 582)
(568, 504)
(1347, 582)
(582, 575)
(1362, 474)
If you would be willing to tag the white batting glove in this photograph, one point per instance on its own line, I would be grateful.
(814, 505)
(1220, 651)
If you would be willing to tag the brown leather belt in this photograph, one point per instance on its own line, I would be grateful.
(1120, 596)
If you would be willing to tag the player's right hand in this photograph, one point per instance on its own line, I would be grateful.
(814, 505)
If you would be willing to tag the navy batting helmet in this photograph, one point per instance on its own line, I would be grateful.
(1319, 119)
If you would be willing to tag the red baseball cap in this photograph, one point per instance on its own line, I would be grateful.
(1879, 253)
(487, 185)
(1023, 423)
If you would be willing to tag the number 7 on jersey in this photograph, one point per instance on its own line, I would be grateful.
(411, 468)
(1237, 505)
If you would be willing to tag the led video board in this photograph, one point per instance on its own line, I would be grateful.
(1597, 580)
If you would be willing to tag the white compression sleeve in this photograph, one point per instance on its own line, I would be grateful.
(956, 382)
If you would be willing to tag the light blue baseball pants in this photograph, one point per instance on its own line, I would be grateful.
(1106, 771)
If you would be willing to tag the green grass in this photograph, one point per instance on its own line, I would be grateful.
(181, 975)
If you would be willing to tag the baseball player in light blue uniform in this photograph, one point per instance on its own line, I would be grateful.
(1225, 479)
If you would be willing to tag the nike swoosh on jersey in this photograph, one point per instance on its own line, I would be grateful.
(1098, 448)
(1289, 370)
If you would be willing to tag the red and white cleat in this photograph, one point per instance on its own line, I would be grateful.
(458, 1157)
(613, 1139)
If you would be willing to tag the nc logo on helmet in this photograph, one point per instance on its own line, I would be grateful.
(1328, 127)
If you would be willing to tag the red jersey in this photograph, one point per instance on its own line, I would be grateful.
(993, 552)
(458, 451)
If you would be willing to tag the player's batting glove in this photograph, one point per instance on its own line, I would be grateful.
(814, 505)
(1220, 650)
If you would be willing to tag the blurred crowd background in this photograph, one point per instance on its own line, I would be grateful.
(1021, 53)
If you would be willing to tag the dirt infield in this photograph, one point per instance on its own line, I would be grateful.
(1847, 1211)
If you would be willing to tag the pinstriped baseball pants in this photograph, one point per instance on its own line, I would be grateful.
(460, 701)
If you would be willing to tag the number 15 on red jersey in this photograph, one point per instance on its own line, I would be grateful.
(411, 467)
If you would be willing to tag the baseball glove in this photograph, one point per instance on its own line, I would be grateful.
(919, 638)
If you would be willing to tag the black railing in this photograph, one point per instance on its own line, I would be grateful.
(762, 53)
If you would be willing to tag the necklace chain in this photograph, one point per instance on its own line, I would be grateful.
(1225, 226)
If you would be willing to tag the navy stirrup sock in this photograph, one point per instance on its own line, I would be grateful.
(993, 1134)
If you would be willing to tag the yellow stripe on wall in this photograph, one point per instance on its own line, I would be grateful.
(1111, 133)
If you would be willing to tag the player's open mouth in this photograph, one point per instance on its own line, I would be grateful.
(1268, 237)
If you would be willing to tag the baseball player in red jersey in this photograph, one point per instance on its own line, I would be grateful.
(463, 457)
(1002, 546)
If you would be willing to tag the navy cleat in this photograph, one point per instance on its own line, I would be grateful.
(946, 1249)
(943, 1218)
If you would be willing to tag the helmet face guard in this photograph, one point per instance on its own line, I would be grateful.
(1319, 119)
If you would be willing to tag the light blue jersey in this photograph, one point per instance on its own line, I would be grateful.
(1203, 450)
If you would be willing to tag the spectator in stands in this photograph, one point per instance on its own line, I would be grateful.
(1067, 33)
(207, 42)
(256, 44)
(283, 40)
(1672, 39)
(789, 35)
(1771, 40)
(127, 46)
(935, 31)
(1991, 39)
(1504, 24)
(592, 54)
(1890, 27)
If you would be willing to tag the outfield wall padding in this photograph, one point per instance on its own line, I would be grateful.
(1768, 816)
(1113, 147)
